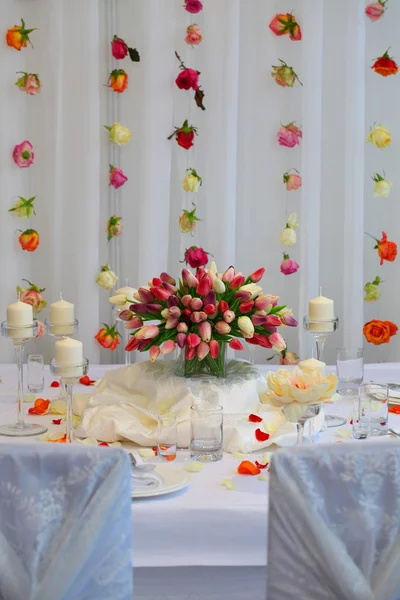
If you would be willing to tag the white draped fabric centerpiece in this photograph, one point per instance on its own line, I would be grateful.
(127, 402)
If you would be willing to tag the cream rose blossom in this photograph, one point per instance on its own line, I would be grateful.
(380, 136)
(106, 278)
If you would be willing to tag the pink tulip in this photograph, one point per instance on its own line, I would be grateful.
(258, 319)
(200, 273)
(153, 309)
(139, 308)
(262, 302)
(292, 180)
(214, 348)
(147, 332)
(181, 340)
(222, 327)
(288, 265)
(235, 344)
(126, 315)
(117, 177)
(165, 278)
(173, 301)
(277, 341)
(198, 317)
(246, 307)
(190, 353)
(134, 323)
(156, 281)
(145, 295)
(229, 316)
(272, 321)
(171, 323)
(23, 154)
(170, 288)
(237, 281)
(203, 350)
(189, 279)
(168, 347)
(257, 275)
(375, 11)
(204, 286)
(154, 352)
(196, 304)
(182, 328)
(289, 320)
(186, 300)
(210, 309)
(260, 340)
(243, 295)
(289, 135)
(223, 306)
(229, 274)
(205, 331)
(160, 293)
(193, 340)
(174, 311)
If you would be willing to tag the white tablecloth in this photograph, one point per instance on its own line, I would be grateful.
(204, 525)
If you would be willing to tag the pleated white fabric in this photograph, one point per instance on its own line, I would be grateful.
(63, 525)
(334, 523)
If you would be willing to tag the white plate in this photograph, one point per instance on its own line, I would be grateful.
(174, 479)
(394, 394)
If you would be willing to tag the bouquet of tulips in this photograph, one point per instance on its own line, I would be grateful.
(202, 313)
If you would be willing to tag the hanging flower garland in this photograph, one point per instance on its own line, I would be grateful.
(18, 37)
(193, 6)
(375, 10)
(289, 135)
(23, 208)
(23, 154)
(286, 24)
(29, 83)
(29, 240)
(106, 278)
(288, 236)
(194, 35)
(32, 295)
(117, 177)
(288, 265)
(284, 75)
(189, 79)
(385, 65)
(118, 80)
(184, 135)
(120, 49)
(379, 136)
(372, 291)
(118, 134)
(114, 227)
(382, 186)
(387, 250)
(293, 181)
(188, 220)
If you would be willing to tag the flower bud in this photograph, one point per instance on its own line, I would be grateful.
(196, 304)
(229, 316)
(246, 327)
(205, 331)
(218, 286)
(186, 300)
(222, 327)
(182, 328)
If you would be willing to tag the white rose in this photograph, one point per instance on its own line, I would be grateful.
(191, 183)
(119, 134)
(292, 220)
(106, 278)
(288, 237)
(382, 188)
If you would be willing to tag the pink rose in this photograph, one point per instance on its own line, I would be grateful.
(118, 48)
(289, 135)
(193, 6)
(193, 35)
(188, 78)
(375, 11)
(41, 331)
(23, 154)
(117, 177)
(196, 257)
(29, 83)
(32, 296)
(292, 180)
(289, 358)
(288, 265)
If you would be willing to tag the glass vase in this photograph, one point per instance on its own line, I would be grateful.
(207, 367)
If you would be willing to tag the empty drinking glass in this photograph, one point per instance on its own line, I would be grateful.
(167, 437)
(35, 373)
(361, 417)
(350, 370)
(206, 436)
(377, 394)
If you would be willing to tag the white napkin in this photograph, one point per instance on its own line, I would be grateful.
(143, 475)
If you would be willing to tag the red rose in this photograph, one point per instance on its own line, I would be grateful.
(193, 6)
(118, 48)
(385, 66)
(185, 139)
(196, 257)
(188, 78)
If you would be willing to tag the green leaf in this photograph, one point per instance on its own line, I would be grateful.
(134, 55)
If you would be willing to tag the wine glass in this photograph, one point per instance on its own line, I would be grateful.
(300, 413)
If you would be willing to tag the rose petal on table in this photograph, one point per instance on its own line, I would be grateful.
(255, 419)
(261, 436)
(103, 444)
(248, 468)
(394, 409)
(58, 407)
(146, 452)
(344, 433)
(229, 484)
(193, 466)
(262, 478)
(90, 441)
(260, 465)
(40, 407)
(87, 381)
(57, 421)
(238, 455)
(57, 439)
(55, 384)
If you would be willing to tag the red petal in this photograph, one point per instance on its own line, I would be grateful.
(103, 444)
(255, 418)
(55, 384)
(57, 421)
(260, 465)
(155, 450)
(351, 422)
(261, 436)
(87, 381)
(248, 468)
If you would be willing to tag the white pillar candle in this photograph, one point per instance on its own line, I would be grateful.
(19, 315)
(69, 352)
(62, 315)
(321, 309)
(129, 293)
(312, 364)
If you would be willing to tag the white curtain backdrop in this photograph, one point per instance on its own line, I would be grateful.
(243, 203)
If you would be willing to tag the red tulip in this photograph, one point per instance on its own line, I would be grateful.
(133, 344)
(190, 353)
(243, 295)
(237, 281)
(214, 348)
(193, 340)
(154, 352)
(186, 313)
(260, 340)
(272, 321)
(229, 274)
(204, 286)
(289, 320)
(145, 295)
(223, 306)
(200, 273)
(235, 344)
(246, 307)
(173, 301)
(210, 309)
(160, 293)
(156, 281)
(257, 275)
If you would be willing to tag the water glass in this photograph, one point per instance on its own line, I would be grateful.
(377, 394)
(35, 373)
(350, 370)
(361, 417)
(206, 435)
(167, 437)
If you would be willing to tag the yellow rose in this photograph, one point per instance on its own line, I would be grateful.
(192, 181)
(382, 186)
(286, 387)
(119, 134)
(380, 136)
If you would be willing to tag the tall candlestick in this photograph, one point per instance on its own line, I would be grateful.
(61, 317)
(20, 316)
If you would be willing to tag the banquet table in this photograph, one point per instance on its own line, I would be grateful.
(204, 541)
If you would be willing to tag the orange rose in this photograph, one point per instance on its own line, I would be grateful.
(108, 337)
(386, 250)
(29, 240)
(118, 80)
(379, 332)
(18, 37)
(385, 66)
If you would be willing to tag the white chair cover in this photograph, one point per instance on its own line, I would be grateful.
(65, 523)
(334, 523)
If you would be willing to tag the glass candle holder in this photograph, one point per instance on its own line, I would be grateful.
(69, 375)
(60, 331)
(206, 432)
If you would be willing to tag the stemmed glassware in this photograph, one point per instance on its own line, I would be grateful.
(300, 414)
(69, 375)
(60, 331)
